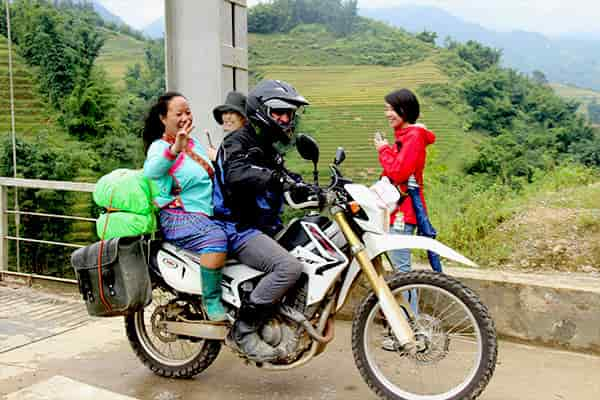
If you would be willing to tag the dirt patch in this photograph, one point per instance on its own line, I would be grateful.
(553, 239)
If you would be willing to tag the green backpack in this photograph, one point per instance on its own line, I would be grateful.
(127, 197)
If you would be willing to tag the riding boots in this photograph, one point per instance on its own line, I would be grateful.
(244, 338)
(211, 294)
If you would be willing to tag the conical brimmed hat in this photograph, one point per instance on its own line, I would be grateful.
(235, 102)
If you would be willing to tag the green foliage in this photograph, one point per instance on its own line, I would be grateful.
(468, 211)
(539, 77)
(371, 43)
(265, 18)
(144, 85)
(3, 26)
(62, 44)
(35, 160)
(454, 66)
(427, 37)
(284, 15)
(89, 111)
(119, 151)
(532, 128)
(479, 56)
(594, 112)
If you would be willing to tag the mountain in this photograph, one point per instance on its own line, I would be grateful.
(107, 15)
(155, 30)
(101, 10)
(572, 60)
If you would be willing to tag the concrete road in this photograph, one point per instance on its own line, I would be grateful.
(95, 361)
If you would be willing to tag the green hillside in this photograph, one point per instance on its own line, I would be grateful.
(118, 53)
(347, 107)
(372, 43)
(31, 114)
(584, 96)
(34, 118)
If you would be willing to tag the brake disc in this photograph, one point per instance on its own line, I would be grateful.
(433, 342)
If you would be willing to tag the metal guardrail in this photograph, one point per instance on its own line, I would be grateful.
(5, 183)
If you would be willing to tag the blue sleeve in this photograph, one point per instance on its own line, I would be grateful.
(159, 160)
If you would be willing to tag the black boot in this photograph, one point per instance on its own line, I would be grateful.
(244, 338)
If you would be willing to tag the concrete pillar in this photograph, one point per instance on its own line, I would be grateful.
(206, 55)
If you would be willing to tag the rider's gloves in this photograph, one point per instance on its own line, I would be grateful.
(302, 192)
(281, 180)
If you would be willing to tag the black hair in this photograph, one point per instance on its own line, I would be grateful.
(153, 126)
(405, 103)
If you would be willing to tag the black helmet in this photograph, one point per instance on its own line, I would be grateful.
(273, 95)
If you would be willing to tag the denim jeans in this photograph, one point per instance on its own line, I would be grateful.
(401, 258)
(401, 261)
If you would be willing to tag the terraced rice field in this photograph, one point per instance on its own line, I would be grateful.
(118, 53)
(31, 116)
(347, 107)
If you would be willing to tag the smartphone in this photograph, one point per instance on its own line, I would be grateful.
(379, 136)
(210, 143)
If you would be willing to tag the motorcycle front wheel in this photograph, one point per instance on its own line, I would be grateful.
(165, 354)
(457, 344)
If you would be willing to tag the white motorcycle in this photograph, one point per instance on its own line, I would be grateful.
(444, 343)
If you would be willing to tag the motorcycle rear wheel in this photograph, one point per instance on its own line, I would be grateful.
(457, 334)
(165, 354)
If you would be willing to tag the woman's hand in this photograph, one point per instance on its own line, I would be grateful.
(182, 137)
(212, 153)
(379, 141)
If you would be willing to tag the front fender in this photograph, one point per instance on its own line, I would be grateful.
(378, 244)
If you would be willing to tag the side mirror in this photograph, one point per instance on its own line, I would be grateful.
(340, 156)
(308, 148)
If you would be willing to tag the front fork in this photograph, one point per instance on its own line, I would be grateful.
(391, 310)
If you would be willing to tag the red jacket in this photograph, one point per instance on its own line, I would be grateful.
(404, 159)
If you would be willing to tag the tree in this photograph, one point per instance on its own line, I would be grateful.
(594, 112)
(35, 160)
(63, 44)
(339, 16)
(144, 84)
(479, 56)
(427, 37)
(88, 113)
(3, 26)
(539, 77)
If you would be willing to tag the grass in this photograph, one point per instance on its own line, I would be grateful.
(522, 230)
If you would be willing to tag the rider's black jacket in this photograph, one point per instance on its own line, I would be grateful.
(246, 188)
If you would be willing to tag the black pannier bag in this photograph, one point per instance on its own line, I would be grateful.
(126, 285)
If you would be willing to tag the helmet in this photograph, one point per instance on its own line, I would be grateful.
(275, 97)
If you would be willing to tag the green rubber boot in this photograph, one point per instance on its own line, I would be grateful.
(211, 294)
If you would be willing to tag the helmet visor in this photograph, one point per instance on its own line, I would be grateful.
(278, 104)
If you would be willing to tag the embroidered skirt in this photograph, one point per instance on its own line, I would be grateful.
(193, 231)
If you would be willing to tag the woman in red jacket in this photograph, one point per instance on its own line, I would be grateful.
(403, 160)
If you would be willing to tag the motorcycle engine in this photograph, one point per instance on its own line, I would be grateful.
(287, 336)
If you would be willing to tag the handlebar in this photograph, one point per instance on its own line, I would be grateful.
(324, 196)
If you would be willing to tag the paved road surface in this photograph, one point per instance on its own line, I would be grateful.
(93, 361)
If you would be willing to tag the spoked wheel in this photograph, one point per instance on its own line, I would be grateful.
(456, 341)
(166, 354)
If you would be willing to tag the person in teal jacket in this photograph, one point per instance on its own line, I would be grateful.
(183, 172)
